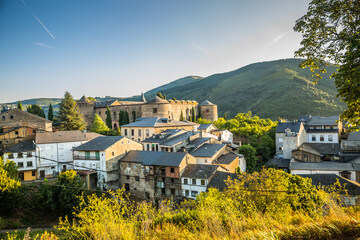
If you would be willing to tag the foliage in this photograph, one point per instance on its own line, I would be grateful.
(133, 116)
(98, 125)
(51, 113)
(19, 106)
(193, 115)
(330, 32)
(252, 162)
(35, 109)
(203, 121)
(69, 116)
(181, 116)
(225, 116)
(123, 117)
(8, 176)
(160, 95)
(67, 196)
(108, 118)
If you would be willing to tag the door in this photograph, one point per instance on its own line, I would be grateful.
(42, 173)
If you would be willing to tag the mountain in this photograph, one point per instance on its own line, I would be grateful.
(177, 83)
(268, 89)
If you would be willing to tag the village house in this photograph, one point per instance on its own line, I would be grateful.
(231, 161)
(323, 129)
(13, 135)
(15, 118)
(219, 180)
(350, 147)
(316, 152)
(209, 130)
(207, 153)
(289, 136)
(154, 175)
(54, 150)
(171, 140)
(103, 154)
(23, 154)
(146, 127)
(196, 177)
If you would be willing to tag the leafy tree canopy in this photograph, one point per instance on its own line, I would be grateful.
(8, 176)
(331, 33)
(98, 125)
(35, 109)
(69, 116)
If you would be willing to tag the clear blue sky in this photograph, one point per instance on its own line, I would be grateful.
(121, 48)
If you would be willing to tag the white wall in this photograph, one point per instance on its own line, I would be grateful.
(24, 160)
(297, 172)
(190, 187)
(326, 137)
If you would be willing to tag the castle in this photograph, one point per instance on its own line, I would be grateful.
(156, 107)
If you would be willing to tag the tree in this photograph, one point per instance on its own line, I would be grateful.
(36, 110)
(225, 116)
(193, 116)
(51, 113)
(19, 106)
(8, 176)
(121, 117)
(108, 118)
(160, 95)
(181, 116)
(252, 162)
(69, 116)
(126, 118)
(68, 196)
(330, 31)
(134, 116)
(98, 125)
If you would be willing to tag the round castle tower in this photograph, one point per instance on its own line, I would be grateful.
(208, 111)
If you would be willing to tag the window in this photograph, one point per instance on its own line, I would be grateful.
(137, 178)
(202, 182)
(99, 112)
(125, 132)
(139, 132)
(330, 138)
(28, 154)
(20, 155)
(321, 138)
(313, 138)
(114, 114)
(113, 153)
(11, 117)
(16, 132)
(139, 140)
(147, 179)
(187, 193)
(20, 164)
(147, 133)
(127, 177)
(98, 165)
(33, 173)
(281, 139)
(132, 132)
(205, 160)
(172, 170)
(3, 117)
(207, 110)
(148, 147)
(193, 181)
(29, 164)
(194, 193)
(172, 180)
(34, 131)
(11, 156)
(172, 191)
(154, 110)
(185, 181)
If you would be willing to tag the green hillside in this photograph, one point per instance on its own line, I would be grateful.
(268, 89)
(177, 83)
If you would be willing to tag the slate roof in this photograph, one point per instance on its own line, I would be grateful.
(204, 126)
(305, 119)
(353, 188)
(293, 126)
(157, 122)
(199, 171)
(24, 146)
(219, 178)
(323, 166)
(177, 139)
(226, 158)
(99, 144)
(207, 150)
(323, 121)
(321, 148)
(153, 158)
(206, 103)
(64, 136)
(193, 145)
(280, 163)
(84, 99)
(354, 136)
(18, 111)
(105, 103)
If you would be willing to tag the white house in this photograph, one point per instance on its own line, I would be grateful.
(289, 136)
(54, 150)
(23, 154)
(323, 129)
(196, 178)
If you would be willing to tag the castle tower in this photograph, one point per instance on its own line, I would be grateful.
(86, 108)
(208, 110)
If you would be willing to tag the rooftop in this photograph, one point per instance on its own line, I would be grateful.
(323, 166)
(200, 171)
(280, 163)
(293, 126)
(64, 136)
(24, 146)
(321, 148)
(207, 150)
(157, 122)
(99, 144)
(206, 103)
(219, 180)
(323, 121)
(154, 158)
(226, 158)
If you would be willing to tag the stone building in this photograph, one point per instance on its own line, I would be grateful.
(156, 107)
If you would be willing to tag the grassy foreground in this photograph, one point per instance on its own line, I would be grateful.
(267, 205)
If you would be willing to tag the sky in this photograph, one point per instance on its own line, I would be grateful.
(122, 48)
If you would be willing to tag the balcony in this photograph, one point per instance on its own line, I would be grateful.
(86, 158)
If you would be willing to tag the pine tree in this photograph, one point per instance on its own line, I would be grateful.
(193, 116)
(134, 115)
(98, 125)
(181, 116)
(199, 113)
(69, 116)
(36, 110)
(126, 119)
(108, 117)
(225, 116)
(19, 106)
(51, 113)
